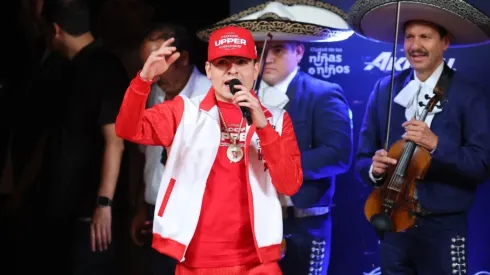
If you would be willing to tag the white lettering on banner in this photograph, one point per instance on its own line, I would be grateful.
(325, 62)
(384, 63)
(377, 271)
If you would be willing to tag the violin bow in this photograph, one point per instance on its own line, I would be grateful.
(390, 96)
(261, 61)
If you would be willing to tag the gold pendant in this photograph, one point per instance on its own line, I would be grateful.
(234, 153)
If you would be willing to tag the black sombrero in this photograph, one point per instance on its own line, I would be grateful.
(376, 19)
(300, 20)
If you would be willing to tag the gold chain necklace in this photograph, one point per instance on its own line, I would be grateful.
(234, 151)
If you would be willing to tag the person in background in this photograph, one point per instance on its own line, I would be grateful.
(182, 77)
(83, 180)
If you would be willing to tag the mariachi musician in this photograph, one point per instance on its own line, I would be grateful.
(319, 112)
(455, 133)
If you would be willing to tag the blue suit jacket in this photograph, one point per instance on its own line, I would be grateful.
(462, 157)
(322, 123)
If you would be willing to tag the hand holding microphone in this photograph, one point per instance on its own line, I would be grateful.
(250, 105)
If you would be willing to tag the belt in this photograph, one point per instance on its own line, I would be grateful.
(294, 212)
(422, 212)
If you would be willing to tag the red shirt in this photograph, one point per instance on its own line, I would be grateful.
(223, 235)
(157, 126)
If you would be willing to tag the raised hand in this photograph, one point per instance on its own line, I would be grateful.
(159, 60)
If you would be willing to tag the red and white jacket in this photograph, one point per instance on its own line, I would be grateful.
(190, 129)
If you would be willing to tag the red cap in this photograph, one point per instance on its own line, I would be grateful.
(231, 41)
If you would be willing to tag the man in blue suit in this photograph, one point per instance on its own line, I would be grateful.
(456, 134)
(322, 123)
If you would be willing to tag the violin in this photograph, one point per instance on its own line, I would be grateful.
(391, 207)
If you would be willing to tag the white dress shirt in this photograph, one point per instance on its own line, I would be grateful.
(413, 93)
(197, 85)
(276, 96)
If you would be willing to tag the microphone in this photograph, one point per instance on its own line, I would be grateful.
(245, 110)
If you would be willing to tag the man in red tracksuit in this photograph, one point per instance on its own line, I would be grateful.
(238, 226)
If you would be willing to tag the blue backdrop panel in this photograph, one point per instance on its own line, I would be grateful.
(356, 64)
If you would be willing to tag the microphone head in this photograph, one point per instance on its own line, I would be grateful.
(232, 83)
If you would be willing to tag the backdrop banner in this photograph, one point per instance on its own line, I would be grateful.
(356, 64)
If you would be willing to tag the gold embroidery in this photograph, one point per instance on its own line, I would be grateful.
(271, 22)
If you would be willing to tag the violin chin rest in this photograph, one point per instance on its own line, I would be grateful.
(381, 222)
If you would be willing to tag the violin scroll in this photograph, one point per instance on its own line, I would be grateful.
(437, 98)
(435, 101)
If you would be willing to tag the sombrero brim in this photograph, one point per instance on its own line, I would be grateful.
(282, 30)
(376, 20)
(301, 20)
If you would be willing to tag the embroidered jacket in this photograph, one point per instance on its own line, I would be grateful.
(190, 130)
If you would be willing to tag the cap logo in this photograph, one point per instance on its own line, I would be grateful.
(230, 41)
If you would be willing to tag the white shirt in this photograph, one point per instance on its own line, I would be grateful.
(276, 96)
(413, 93)
(198, 84)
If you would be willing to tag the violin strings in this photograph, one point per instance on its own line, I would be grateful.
(395, 178)
(394, 182)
